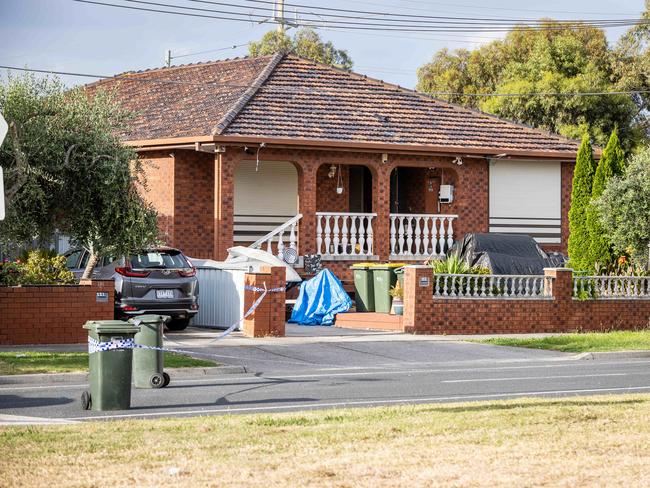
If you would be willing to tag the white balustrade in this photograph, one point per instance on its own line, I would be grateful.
(527, 287)
(277, 236)
(611, 287)
(344, 234)
(418, 236)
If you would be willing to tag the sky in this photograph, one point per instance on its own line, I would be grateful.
(65, 35)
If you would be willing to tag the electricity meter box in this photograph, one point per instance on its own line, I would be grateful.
(446, 194)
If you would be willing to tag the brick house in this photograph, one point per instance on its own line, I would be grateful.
(282, 151)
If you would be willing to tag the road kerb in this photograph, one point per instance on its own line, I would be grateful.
(175, 373)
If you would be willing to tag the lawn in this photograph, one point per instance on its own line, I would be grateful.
(68, 362)
(586, 342)
(588, 441)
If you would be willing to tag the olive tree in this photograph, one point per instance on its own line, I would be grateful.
(67, 169)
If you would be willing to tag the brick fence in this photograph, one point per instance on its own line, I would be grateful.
(268, 317)
(426, 314)
(52, 314)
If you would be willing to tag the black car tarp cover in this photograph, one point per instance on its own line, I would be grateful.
(504, 254)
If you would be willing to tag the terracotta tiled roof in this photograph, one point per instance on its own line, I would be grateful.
(287, 97)
(181, 101)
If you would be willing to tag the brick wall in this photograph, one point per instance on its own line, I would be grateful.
(268, 318)
(194, 203)
(425, 315)
(51, 314)
(159, 174)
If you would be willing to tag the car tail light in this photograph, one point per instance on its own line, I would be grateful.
(128, 308)
(187, 273)
(194, 306)
(126, 271)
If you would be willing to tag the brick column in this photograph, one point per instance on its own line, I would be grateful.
(418, 295)
(307, 207)
(381, 206)
(224, 203)
(268, 317)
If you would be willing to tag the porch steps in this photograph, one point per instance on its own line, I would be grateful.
(369, 320)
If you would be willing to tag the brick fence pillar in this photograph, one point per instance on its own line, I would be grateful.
(268, 317)
(418, 295)
(562, 292)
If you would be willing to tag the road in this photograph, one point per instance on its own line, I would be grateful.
(357, 372)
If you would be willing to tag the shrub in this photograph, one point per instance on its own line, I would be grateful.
(583, 176)
(624, 209)
(40, 268)
(611, 164)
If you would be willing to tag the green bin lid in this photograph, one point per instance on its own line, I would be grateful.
(149, 318)
(111, 327)
(387, 265)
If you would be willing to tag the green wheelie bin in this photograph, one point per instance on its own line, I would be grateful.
(148, 363)
(110, 359)
(364, 295)
(384, 279)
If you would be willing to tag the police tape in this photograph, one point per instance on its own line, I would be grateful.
(97, 346)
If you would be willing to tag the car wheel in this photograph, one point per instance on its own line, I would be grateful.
(178, 324)
(167, 379)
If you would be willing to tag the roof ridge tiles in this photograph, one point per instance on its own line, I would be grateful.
(243, 100)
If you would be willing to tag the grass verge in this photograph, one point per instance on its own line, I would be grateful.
(72, 362)
(588, 441)
(586, 342)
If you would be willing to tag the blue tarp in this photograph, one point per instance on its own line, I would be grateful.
(319, 300)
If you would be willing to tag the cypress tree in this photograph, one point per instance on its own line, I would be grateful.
(583, 177)
(611, 164)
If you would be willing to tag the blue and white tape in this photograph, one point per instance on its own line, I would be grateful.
(97, 346)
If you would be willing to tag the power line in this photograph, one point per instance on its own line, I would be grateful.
(540, 26)
(126, 78)
(481, 7)
(364, 12)
(210, 51)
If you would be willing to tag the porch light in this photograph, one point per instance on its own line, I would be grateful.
(332, 171)
(458, 161)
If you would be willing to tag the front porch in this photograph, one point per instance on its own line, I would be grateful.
(352, 219)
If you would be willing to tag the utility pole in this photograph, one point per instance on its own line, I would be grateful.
(168, 58)
(279, 15)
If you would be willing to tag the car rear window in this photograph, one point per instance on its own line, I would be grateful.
(159, 259)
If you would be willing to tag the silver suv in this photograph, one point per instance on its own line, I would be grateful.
(159, 280)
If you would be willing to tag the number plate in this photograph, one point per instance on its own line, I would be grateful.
(164, 293)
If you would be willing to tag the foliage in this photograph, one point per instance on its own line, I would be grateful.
(66, 169)
(10, 273)
(560, 59)
(624, 209)
(611, 164)
(454, 265)
(305, 43)
(40, 268)
(583, 176)
(397, 291)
